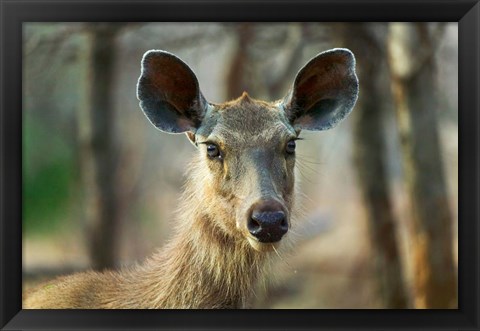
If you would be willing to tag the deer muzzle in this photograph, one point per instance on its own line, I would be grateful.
(267, 221)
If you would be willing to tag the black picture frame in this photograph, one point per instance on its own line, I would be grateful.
(15, 12)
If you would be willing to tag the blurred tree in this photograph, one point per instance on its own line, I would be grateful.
(279, 80)
(98, 149)
(370, 157)
(265, 65)
(237, 79)
(50, 68)
(411, 49)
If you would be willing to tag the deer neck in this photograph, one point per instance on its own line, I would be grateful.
(202, 267)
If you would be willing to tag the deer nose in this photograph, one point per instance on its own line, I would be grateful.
(267, 222)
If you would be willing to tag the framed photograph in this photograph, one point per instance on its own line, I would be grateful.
(239, 165)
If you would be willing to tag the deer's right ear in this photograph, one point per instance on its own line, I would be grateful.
(169, 93)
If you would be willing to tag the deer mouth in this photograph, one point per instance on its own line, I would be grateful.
(262, 247)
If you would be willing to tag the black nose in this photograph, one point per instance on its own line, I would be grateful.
(267, 224)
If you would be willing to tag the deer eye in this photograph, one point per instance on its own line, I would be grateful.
(213, 151)
(290, 149)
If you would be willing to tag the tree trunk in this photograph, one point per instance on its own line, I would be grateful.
(370, 158)
(98, 150)
(237, 79)
(411, 50)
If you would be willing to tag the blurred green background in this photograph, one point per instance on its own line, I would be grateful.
(101, 184)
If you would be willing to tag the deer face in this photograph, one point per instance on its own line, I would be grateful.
(246, 146)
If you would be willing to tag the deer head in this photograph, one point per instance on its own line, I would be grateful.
(247, 147)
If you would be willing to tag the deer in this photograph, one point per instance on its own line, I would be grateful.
(238, 203)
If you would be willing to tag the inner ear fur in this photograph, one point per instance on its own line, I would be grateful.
(324, 91)
(169, 93)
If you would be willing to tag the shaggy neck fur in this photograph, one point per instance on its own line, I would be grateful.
(202, 267)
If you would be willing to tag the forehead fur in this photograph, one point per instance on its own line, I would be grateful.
(246, 120)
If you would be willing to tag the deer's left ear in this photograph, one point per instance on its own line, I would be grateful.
(324, 92)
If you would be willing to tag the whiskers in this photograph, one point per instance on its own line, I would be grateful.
(308, 168)
(302, 209)
(278, 254)
(294, 233)
(281, 258)
(307, 159)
